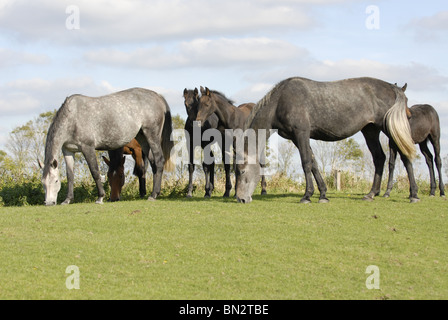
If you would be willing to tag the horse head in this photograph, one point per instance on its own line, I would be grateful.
(50, 181)
(191, 102)
(115, 175)
(207, 105)
(247, 175)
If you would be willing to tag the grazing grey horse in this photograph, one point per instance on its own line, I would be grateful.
(425, 126)
(302, 109)
(85, 124)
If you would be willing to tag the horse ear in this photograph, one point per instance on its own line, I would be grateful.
(185, 92)
(196, 92)
(202, 90)
(41, 165)
(404, 87)
(107, 161)
(207, 91)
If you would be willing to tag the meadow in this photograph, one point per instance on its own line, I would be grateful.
(271, 249)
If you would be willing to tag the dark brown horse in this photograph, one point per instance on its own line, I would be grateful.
(116, 175)
(230, 117)
(191, 101)
(425, 126)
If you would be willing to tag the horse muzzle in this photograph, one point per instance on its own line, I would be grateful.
(244, 200)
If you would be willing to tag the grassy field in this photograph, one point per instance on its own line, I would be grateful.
(273, 248)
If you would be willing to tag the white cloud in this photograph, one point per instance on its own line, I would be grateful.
(430, 28)
(12, 58)
(246, 52)
(111, 22)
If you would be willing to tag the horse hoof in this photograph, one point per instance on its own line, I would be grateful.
(151, 198)
(324, 200)
(386, 196)
(414, 200)
(264, 192)
(207, 196)
(305, 201)
(367, 198)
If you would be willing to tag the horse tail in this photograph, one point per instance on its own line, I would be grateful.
(167, 143)
(397, 125)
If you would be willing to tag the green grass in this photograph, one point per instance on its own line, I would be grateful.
(273, 248)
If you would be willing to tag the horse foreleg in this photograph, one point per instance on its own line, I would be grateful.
(392, 158)
(69, 165)
(89, 154)
(208, 191)
(190, 180)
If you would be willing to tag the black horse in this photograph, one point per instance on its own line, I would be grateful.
(425, 126)
(191, 98)
(302, 109)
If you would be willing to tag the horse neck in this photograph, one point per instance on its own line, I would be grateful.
(56, 138)
(226, 113)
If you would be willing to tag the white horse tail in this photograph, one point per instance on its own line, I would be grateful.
(397, 124)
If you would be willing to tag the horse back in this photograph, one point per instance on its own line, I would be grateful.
(424, 121)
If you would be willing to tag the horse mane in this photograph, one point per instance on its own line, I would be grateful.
(54, 127)
(222, 96)
(260, 104)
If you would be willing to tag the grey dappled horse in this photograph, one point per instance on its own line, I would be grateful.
(302, 109)
(85, 124)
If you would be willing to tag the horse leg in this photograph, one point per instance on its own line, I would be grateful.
(430, 163)
(372, 136)
(413, 188)
(190, 180)
(89, 154)
(392, 158)
(158, 162)
(227, 170)
(319, 180)
(263, 182)
(436, 143)
(206, 168)
(302, 142)
(69, 164)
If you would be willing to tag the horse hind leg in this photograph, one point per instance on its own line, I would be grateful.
(372, 137)
(436, 143)
(430, 163)
(392, 158)
(158, 162)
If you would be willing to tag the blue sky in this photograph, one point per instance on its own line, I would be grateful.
(241, 48)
